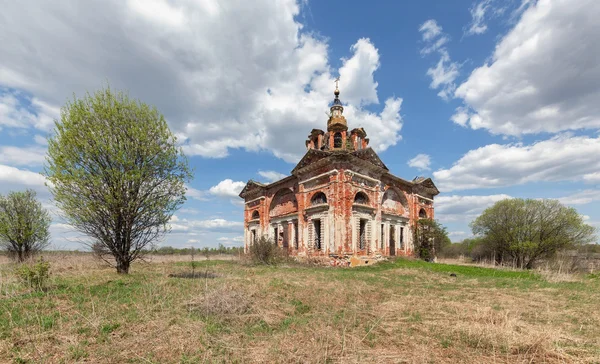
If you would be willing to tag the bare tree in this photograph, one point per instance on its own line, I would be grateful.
(116, 172)
(24, 225)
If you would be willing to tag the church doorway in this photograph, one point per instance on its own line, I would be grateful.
(392, 240)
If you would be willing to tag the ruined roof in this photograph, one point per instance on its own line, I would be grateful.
(426, 185)
(250, 186)
(369, 155)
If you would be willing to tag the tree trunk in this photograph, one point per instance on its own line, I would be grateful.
(122, 266)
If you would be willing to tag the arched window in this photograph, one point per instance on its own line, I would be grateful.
(255, 215)
(361, 198)
(318, 199)
(422, 214)
(337, 140)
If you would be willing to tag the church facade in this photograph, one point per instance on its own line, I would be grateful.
(340, 199)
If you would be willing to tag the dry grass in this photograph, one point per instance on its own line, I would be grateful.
(406, 312)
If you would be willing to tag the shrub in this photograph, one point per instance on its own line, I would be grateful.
(265, 251)
(34, 275)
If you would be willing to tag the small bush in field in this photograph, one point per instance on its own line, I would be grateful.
(265, 251)
(34, 275)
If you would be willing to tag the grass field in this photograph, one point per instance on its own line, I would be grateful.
(404, 311)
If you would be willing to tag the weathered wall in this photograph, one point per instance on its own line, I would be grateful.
(289, 203)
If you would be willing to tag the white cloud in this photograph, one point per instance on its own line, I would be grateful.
(421, 162)
(581, 198)
(430, 30)
(464, 208)
(562, 158)
(357, 74)
(12, 179)
(478, 11)
(23, 156)
(236, 240)
(592, 177)
(223, 79)
(271, 176)
(445, 72)
(25, 113)
(543, 75)
(227, 188)
(216, 225)
(200, 227)
(195, 194)
(457, 234)
(40, 140)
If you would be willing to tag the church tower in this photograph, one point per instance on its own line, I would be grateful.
(337, 127)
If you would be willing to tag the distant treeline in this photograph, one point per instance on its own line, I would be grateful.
(478, 250)
(221, 249)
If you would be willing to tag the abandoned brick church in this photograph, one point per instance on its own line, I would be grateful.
(340, 199)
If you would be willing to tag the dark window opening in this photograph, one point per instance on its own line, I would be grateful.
(361, 198)
(253, 236)
(362, 234)
(296, 235)
(318, 198)
(337, 140)
(422, 214)
(276, 235)
(382, 236)
(401, 238)
(317, 238)
(255, 215)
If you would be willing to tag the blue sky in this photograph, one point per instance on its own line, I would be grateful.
(492, 99)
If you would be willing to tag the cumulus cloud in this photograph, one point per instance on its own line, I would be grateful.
(592, 177)
(236, 240)
(561, 158)
(445, 71)
(464, 208)
(581, 198)
(12, 178)
(421, 162)
(196, 194)
(227, 74)
(22, 111)
(23, 156)
(271, 176)
(543, 75)
(227, 188)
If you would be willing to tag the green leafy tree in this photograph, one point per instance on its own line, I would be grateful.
(430, 238)
(521, 232)
(116, 172)
(24, 225)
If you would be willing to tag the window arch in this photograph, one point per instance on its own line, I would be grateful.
(394, 200)
(255, 215)
(361, 198)
(337, 140)
(422, 214)
(284, 202)
(318, 199)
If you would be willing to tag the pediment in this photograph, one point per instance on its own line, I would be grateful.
(250, 187)
(311, 156)
(427, 185)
